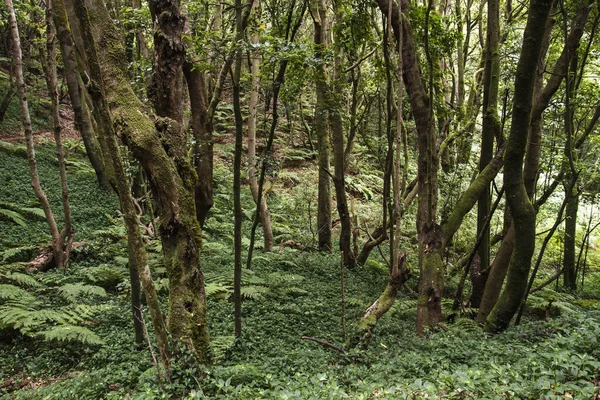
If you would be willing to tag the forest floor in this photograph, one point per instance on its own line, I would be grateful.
(69, 335)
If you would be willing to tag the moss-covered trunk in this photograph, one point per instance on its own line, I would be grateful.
(398, 276)
(491, 127)
(521, 208)
(159, 145)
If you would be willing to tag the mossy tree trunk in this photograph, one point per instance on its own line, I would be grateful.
(237, 170)
(542, 97)
(138, 262)
(159, 145)
(65, 238)
(521, 208)
(491, 124)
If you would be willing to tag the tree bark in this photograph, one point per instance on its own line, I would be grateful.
(160, 147)
(337, 130)
(65, 238)
(491, 125)
(542, 96)
(319, 14)
(33, 172)
(82, 114)
(265, 215)
(237, 172)
(521, 208)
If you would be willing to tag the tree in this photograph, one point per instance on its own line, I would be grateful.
(521, 208)
(159, 145)
(61, 240)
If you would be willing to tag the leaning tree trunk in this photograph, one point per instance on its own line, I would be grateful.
(82, 115)
(521, 208)
(542, 97)
(160, 147)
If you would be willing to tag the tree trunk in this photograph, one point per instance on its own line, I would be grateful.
(265, 215)
(237, 172)
(521, 208)
(337, 130)
(65, 238)
(161, 151)
(542, 98)
(33, 172)
(82, 115)
(491, 125)
(319, 14)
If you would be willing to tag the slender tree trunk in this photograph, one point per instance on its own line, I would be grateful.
(324, 195)
(265, 215)
(65, 238)
(337, 130)
(76, 95)
(491, 124)
(237, 171)
(33, 172)
(521, 208)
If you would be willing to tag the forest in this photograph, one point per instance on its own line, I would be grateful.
(299, 199)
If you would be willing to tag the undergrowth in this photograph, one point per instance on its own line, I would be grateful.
(70, 332)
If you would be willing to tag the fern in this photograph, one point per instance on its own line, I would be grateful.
(71, 333)
(79, 167)
(217, 290)
(466, 325)
(73, 291)
(13, 216)
(15, 251)
(253, 292)
(21, 279)
(11, 292)
(220, 345)
(550, 300)
(19, 214)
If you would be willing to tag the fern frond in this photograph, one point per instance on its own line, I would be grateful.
(70, 333)
(72, 291)
(12, 292)
(34, 213)
(219, 346)
(283, 278)
(466, 325)
(22, 279)
(9, 253)
(253, 292)
(217, 290)
(13, 216)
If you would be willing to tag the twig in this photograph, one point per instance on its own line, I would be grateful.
(324, 343)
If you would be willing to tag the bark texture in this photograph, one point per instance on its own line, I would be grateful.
(159, 144)
(521, 208)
